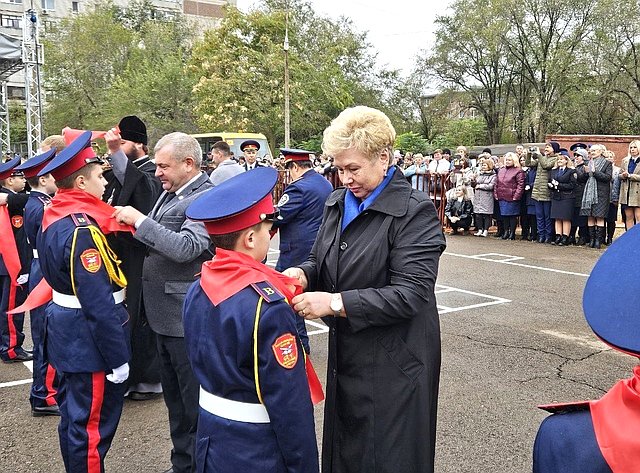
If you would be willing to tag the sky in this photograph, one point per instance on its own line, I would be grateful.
(397, 29)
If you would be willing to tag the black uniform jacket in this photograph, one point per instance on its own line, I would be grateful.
(384, 357)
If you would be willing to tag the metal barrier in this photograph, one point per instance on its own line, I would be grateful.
(435, 185)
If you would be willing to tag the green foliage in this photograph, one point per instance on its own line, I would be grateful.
(411, 142)
(239, 71)
(107, 63)
(313, 143)
(466, 131)
(18, 123)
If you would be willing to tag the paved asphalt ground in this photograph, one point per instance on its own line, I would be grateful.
(513, 336)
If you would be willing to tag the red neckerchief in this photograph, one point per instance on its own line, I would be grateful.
(72, 201)
(230, 271)
(9, 254)
(67, 202)
(616, 422)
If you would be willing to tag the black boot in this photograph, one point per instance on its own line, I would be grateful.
(592, 237)
(599, 238)
(564, 241)
(611, 229)
(571, 240)
(506, 235)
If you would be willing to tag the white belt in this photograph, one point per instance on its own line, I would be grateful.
(72, 302)
(233, 410)
(35, 253)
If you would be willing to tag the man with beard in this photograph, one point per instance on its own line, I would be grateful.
(132, 182)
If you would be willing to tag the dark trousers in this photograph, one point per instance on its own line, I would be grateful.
(44, 386)
(11, 326)
(181, 391)
(543, 219)
(90, 408)
(483, 221)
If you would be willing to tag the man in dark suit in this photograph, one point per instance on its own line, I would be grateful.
(177, 247)
(132, 181)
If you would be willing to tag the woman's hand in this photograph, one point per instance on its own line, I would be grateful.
(313, 305)
(298, 274)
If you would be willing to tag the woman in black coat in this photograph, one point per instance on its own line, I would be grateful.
(562, 183)
(374, 266)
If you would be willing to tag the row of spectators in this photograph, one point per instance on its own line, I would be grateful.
(557, 196)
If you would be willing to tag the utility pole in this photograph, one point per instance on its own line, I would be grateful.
(287, 115)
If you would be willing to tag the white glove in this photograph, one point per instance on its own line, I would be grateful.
(527, 187)
(119, 374)
(22, 279)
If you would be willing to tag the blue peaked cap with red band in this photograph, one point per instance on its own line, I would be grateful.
(7, 169)
(73, 158)
(611, 300)
(32, 166)
(237, 203)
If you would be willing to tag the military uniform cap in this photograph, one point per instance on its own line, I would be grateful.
(32, 166)
(294, 155)
(611, 298)
(8, 168)
(237, 203)
(249, 143)
(73, 158)
(575, 146)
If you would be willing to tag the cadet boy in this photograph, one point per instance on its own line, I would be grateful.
(255, 407)
(86, 324)
(14, 266)
(43, 388)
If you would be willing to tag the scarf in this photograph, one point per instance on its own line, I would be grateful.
(11, 258)
(354, 207)
(230, 271)
(590, 197)
(616, 422)
(67, 202)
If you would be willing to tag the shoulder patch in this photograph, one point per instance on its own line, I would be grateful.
(80, 220)
(17, 221)
(91, 260)
(267, 291)
(283, 200)
(44, 201)
(285, 349)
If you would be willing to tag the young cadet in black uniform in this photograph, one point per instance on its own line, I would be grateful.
(87, 340)
(43, 388)
(255, 407)
(14, 266)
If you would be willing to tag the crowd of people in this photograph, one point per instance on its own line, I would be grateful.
(557, 196)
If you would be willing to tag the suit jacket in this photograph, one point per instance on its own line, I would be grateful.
(177, 249)
(567, 182)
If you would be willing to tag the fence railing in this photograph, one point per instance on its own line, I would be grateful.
(435, 185)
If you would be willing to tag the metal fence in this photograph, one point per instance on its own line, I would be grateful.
(435, 185)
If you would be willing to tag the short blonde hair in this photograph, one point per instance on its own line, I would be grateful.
(514, 158)
(635, 143)
(361, 128)
(490, 163)
(53, 141)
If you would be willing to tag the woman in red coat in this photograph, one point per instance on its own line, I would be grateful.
(508, 191)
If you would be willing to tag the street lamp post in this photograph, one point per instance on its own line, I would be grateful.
(287, 116)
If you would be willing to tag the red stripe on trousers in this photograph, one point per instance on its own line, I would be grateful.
(93, 424)
(48, 385)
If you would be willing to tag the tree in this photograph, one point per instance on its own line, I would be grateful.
(107, 63)
(547, 42)
(471, 55)
(239, 70)
(411, 142)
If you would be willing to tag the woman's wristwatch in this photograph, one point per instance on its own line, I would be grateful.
(336, 304)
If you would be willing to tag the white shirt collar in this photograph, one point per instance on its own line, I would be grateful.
(179, 191)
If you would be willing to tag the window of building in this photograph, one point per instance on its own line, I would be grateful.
(474, 113)
(75, 7)
(15, 92)
(48, 4)
(10, 21)
(461, 113)
(14, 1)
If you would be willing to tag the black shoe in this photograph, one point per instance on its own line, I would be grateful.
(571, 241)
(20, 357)
(136, 396)
(557, 240)
(541, 240)
(45, 411)
(170, 470)
(564, 241)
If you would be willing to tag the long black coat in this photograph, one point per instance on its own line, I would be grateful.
(384, 357)
(140, 190)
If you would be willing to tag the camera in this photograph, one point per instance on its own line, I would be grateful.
(532, 149)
